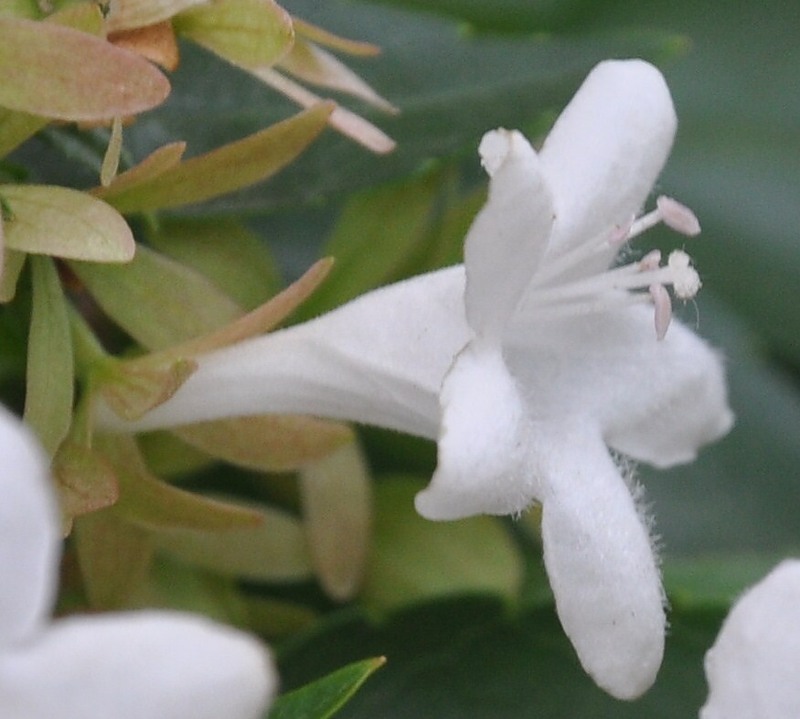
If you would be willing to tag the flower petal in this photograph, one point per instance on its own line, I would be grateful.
(600, 562)
(510, 233)
(657, 401)
(137, 666)
(29, 537)
(483, 462)
(752, 667)
(606, 150)
(380, 359)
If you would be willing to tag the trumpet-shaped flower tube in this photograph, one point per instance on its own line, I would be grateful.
(137, 665)
(528, 363)
(752, 669)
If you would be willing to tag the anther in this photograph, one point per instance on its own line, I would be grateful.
(677, 216)
(651, 261)
(663, 309)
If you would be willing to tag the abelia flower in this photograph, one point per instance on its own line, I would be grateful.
(752, 669)
(535, 365)
(133, 665)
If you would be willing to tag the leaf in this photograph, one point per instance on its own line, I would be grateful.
(95, 80)
(12, 265)
(50, 372)
(413, 559)
(336, 493)
(248, 33)
(274, 550)
(226, 169)
(51, 220)
(114, 557)
(225, 251)
(267, 443)
(324, 697)
(378, 234)
(156, 42)
(467, 656)
(258, 321)
(130, 14)
(132, 389)
(450, 85)
(16, 127)
(157, 162)
(317, 66)
(156, 300)
(86, 482)
(149, 503)
(348, 123)
(714, 581)
(321, 36)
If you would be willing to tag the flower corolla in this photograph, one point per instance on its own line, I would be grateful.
(754, 666)
(133, 665)
(534, 364)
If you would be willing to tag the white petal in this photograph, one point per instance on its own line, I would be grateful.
(606, 150)
(510, 233)
(657, 401)
(148, 665)
(30, 544)
(600, 562)
(752, 669)
(483, 467)
(380, 359)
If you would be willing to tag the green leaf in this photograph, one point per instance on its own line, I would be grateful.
(324, 697)
(714, 582)
(466, 657)
(156, 300)
(336, 493)
(114, 557)
(249, 33)
(228, 168)
(267, 443)
(50, 373)
(94, 81)
(51, 220)
(414, 559)
(16, 127)
(449, 85)
(226, 252)
(152, 504)
(378, 235)
(273, 551)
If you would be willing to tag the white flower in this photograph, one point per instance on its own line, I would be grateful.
(528, 363)
(753, 669)
(136, 665)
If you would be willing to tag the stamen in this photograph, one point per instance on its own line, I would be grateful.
(620, 234)
(678, 217)
(663, 307)
(651, 261)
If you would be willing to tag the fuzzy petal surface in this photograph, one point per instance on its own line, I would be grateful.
(482, 467)
(510, 234)
(600, 561)
(30, 543)
(606, 150)
(379, 359)
(752, 669)
(147, 665)
(655, 400)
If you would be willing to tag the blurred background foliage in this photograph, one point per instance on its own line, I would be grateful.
(455, 68)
